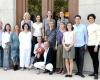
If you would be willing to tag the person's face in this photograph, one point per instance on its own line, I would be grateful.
(51, 24)
(69, 26)
(77, 20)
(38, 18)
(61, 14)
(62, 26)
(46, 45)
(26, 27)
(39, 39)
(7, 28)
(91, 20)
(16, 28)
(49, 13)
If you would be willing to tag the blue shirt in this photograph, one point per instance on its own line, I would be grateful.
(80, 35)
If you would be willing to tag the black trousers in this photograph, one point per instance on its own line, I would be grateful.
(94, 57)
(1, 56)
(34, 41)
(79, 57)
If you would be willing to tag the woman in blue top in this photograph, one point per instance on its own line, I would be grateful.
(15, 47)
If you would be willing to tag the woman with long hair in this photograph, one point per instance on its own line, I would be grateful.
(14, 39)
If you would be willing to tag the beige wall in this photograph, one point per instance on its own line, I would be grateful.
(8, 11)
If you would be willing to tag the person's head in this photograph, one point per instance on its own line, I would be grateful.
(77, 19)
(26, 16)
(62, 26)
(7, 28)
(49, 14)
(91, 18)
(46, 44)
(38, 18)
(39, 39)
(69, 27)
(61, 14)
(16, 28)
(25, 27)
(1, 25)
(51, 25)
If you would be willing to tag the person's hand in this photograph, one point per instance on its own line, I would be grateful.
(38, 55)
(67, 48)
(85, 47)
(95, 48)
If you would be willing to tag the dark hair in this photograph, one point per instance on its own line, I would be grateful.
(24, 25)
(77, 16)
(40, 18)
(91, 15)
(7, 25)
(71, 25)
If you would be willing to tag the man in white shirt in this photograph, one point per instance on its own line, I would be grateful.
(47, 64)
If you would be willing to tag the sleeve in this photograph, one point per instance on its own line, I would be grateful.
(22, 22)
(97, 35)
(3, 40)
(35, 47)
(85, 34)
(11, 38)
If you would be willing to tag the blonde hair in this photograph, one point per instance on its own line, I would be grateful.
(26, 14)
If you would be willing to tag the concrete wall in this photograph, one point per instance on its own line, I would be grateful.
(8, 11)
(85, 8)
(89, 6)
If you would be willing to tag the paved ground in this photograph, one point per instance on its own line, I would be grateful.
(32, 75)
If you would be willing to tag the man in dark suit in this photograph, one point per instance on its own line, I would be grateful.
(47, 64)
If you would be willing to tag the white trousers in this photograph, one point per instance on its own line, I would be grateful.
(41, 65)
(25, 55)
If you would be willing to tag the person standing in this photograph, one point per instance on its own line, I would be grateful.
(47, 20)
(59, 60)
(26, 19)
(25, 46)
(61, 19)
(51, 35)
(1, 49)
(6, 46)
(68, 50)
(37, 31)
(93, 43)
(14, 39)
(80, 43)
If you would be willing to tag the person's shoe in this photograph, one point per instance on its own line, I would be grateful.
(92, 74)
(51, 72)
(81, 75)
(46, 71)
(5, 69)
(77, 73)
(70, 75)
(96, 76)
(67, 75)
(22, 69)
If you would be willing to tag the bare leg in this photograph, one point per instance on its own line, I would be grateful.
(71, 66)
(67, 66)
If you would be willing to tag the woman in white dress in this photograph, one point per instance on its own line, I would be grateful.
(25, 46)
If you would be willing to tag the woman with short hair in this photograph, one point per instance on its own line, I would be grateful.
(25, 46)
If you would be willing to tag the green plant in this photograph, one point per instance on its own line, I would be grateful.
(34, 7)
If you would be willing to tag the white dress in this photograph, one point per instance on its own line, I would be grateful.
(25, 48)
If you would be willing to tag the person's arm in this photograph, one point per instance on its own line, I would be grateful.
(97, 38)
(73, 40)
(42, 31)
(3, 40)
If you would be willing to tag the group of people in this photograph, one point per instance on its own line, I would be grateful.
(52, 44)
